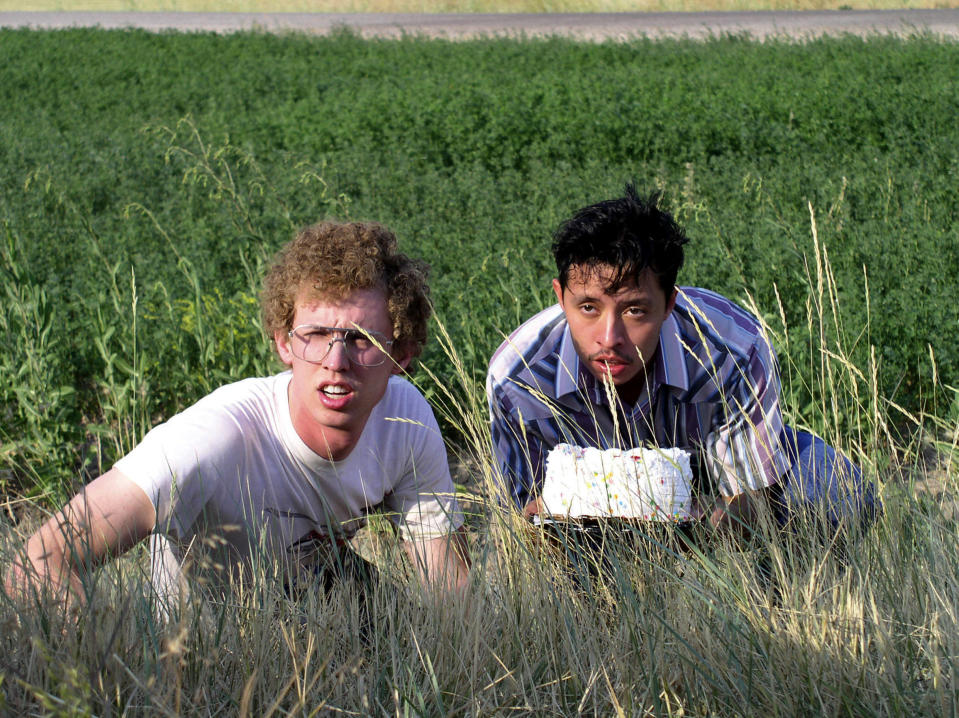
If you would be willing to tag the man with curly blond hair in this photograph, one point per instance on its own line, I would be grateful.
(280, 472)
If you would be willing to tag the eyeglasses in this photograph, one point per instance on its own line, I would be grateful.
(314, 342)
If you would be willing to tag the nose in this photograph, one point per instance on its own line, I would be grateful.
(612, 332)
(337, 358)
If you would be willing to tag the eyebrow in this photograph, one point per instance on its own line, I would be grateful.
(643, 299)
(344, 330)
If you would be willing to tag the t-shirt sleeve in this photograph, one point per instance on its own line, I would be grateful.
(423, 502)
(746, 452)
(178, 464)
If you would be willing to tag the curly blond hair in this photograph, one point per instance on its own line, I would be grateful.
(332, 259)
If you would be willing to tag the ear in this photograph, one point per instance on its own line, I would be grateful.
(670, 303)
(400, 363)
(558, 288)
(283, 348)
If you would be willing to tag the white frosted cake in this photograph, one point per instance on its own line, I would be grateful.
(648, 484)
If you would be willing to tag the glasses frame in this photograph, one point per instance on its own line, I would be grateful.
(379, 340)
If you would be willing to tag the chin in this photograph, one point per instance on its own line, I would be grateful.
(333, 419)
(621, 380)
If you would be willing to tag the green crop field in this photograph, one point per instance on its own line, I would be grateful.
(163, 169)
(145, 179)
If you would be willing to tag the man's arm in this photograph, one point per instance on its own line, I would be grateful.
(745, 456)
(518, 453)
(443, 561)
(739, 515)
(110, 515)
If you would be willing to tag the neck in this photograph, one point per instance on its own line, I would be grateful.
(628, 394)
(331, 444)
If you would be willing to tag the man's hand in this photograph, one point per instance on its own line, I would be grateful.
(738, 515)
(533, 508)
(443, 561)
(106, 518)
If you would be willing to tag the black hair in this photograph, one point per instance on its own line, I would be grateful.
(629, 234)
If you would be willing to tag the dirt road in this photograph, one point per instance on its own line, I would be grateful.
(584, 26)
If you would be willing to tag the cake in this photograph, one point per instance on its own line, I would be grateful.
(647, 484)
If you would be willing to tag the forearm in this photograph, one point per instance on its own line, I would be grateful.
(442, 562)
(739, 515)
(105, 519)
(43, 568)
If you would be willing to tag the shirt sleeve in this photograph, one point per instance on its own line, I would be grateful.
(518, 450)
(178, 464)
(745, 451)
(423, 502)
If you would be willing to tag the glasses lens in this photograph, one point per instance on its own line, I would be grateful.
(362, 347)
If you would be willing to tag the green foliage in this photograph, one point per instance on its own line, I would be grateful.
(36, 396)
(145, 179)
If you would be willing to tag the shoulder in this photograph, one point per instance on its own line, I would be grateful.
(703, 316)
(402, 435)
(244, 406)
(536, 340)
(217, 423)
(400, 392)
(402, 406)
(719, 341)
(255, 390)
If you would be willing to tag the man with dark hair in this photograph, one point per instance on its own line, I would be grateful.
(626, 358)
(282, 471)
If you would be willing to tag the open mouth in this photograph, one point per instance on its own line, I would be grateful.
(612, 366)
(611, 361)
(336, 396)
(336, 390)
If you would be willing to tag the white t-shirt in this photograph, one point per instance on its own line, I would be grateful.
(230, 476)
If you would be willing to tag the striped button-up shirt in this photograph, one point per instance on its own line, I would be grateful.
(712, 389)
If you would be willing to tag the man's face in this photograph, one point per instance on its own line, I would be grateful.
(615, 334)
(331, 399)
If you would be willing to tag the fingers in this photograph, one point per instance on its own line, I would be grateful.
(533, 508)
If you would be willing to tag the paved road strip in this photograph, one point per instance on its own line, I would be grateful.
(942, 23)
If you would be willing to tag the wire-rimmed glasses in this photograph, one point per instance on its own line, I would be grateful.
(312, 343)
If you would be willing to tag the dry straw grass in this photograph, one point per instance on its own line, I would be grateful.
(665, 634)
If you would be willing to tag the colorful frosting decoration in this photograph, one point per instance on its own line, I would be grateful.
(647, 484)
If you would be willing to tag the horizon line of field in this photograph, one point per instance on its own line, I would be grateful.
(940, 23)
